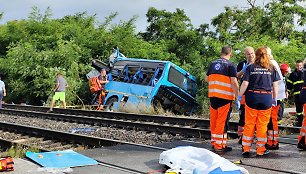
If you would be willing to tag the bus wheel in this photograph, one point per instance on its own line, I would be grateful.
(109, 103)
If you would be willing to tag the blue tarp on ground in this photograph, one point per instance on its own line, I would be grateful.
(82, 129)
(59, 159)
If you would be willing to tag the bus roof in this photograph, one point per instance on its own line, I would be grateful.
(135, 59)
(157, 61)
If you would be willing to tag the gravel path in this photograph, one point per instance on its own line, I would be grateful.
(134, 135)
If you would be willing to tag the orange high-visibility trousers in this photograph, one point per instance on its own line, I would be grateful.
(273, 127)
(303, 128)
(260, 118)
(101, 100)
(218, 119)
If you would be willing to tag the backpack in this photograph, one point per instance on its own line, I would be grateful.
(6, 164)
(94, 84)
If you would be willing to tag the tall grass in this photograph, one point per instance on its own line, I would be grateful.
(18, 151)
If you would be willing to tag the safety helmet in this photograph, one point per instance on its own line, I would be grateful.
(285, 67)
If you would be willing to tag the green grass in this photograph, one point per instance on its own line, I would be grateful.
(18, 151)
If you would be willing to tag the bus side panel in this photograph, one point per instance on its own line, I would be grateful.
(134, 92)
(171, 97)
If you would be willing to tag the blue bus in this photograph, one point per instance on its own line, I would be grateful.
(150, 82)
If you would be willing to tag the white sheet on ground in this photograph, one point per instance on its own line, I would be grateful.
(186, 158)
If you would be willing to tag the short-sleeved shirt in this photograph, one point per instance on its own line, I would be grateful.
(62, 84)
(260, 78)
(240, 67)
(102, 78)
(222, 66)
(1, 85)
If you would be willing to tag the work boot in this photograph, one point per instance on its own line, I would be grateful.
(273, 147)
(297, 124)
(246, 153)
(226, 149)
(299, 121)
(263, 154)
(302, 145)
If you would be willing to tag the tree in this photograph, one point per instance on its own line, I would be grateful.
(175, 31)
(275, 19)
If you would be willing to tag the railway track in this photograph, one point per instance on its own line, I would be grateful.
(186, 126)
(191, 127)
(49, 140)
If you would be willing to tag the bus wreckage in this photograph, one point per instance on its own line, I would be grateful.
(151, 82)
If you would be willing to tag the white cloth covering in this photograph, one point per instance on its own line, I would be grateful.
(185, 159)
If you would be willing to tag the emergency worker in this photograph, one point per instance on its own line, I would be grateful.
(285, 70)
(295, 83)
(259, 80)
(272, 143)
(223, 87)
(103, 80)
(302, 139)
(241, 67)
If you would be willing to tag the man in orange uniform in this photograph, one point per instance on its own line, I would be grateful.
(103, 81)
(241, 67)
(223, 87)
(302, 139)
(259, 81)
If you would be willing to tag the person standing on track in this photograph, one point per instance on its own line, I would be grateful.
(295, 83)
(241, 67)
(259, 80)
(272, 143)
(223, 87)
(60, 88)
(302, 139)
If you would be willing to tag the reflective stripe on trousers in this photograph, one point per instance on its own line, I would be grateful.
(218, 118)
(273, 126)
(260, 118)
(303, 128)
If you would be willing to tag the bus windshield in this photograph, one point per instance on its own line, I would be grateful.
(181, 80)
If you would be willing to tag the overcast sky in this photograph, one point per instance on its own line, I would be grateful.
(199, 11)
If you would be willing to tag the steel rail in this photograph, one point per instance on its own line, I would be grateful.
(192, 122)
(186, 131)
(175, 125)
(68, 137)
(96, 143)
(86, 140)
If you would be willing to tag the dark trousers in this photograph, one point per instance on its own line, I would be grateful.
(241, 115)
(299, 109)
(1, 97)
(281, 110)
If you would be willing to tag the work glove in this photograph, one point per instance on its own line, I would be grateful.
(239, 98)
(245, 65)
(274, 102)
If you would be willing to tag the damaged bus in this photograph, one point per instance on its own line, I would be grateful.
(148, 81)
